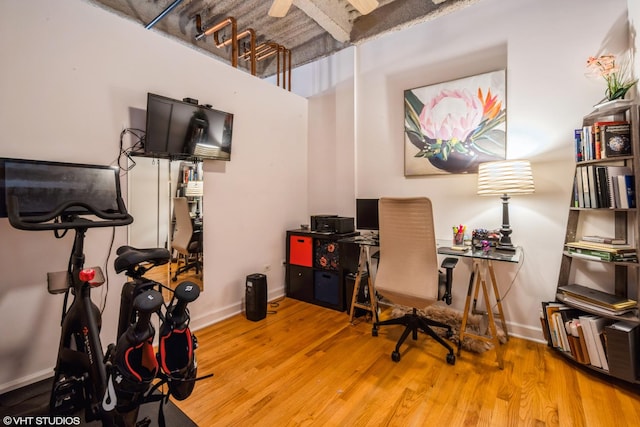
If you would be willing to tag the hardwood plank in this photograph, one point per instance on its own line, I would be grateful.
(308, 366)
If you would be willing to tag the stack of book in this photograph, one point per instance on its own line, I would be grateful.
(596, 301)
(577, 333)
(601, 251)
(603, 140)
(604, 187)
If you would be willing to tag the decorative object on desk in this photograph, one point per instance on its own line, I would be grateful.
(452, 127)
(476, 324)
(617, 75)
(504, 178)
(479, 235)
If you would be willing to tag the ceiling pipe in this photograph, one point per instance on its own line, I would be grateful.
(254, 54)
(234, 36)
(267, 50)
(249, 32)
(163, 13)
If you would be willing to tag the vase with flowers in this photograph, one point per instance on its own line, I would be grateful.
(616, 74)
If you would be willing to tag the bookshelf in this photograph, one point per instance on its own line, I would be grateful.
(607, 174)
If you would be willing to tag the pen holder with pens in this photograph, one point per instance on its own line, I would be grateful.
(458, 235)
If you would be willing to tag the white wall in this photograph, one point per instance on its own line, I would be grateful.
(543, 45)
(68, 83)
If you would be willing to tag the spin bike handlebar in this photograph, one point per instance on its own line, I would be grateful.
(185, 293)
(70, 219)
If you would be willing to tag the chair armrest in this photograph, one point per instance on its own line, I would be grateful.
(448, 264)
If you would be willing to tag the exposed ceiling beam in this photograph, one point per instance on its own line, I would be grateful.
(279, 8)
(329, 15)
(364, 6)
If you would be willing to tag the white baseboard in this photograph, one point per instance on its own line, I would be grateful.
(26, 380)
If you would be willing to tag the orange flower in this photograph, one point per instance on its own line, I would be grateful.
(490, 108)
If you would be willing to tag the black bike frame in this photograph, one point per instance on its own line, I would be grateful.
(81, 328)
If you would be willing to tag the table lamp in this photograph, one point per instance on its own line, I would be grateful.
(503, 178)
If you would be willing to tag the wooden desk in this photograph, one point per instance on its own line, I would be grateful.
(481, 273)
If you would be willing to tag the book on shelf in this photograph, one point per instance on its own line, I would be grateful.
(604, 187)
(577, 137)
(603, 139)
(583, 343)
(548, 310)
(601, 254)
(626, 191)
(611, 248)
(576, 332)
(597, 297)
(598, 256)
(590, 339)
(616, 139)
(604, 240)
(597, 330)
(593, 308)
(612, 183)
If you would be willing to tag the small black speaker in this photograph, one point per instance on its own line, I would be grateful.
(256, 297)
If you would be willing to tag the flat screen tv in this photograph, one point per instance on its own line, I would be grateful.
(183, 130)
(42, 186)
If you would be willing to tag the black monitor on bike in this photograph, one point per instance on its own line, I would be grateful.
(36, 192)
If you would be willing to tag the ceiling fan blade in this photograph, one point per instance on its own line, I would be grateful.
(364, 6)
(279, 8)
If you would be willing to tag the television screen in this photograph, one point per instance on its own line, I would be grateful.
(41, 187)
(183, 130)
(367, 214)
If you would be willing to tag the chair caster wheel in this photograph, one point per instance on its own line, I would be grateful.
(374, 332)
(395, 356)
(451, 359)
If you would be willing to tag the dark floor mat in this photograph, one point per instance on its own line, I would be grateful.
(33, 400)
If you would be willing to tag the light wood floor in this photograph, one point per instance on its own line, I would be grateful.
(307, 366)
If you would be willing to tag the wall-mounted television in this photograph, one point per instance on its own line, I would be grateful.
(185, 130)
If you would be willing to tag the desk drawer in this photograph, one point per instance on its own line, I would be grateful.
(301, 250)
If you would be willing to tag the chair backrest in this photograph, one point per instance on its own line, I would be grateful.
(183, 228)
(408, 255)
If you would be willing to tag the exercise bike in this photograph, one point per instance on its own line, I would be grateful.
(109, 387)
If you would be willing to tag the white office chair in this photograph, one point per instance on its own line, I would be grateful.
(408, 272)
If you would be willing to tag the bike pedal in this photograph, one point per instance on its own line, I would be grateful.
(68, 395)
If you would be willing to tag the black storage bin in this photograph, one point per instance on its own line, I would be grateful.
(326, 254)
(327, 287)
(299, 286)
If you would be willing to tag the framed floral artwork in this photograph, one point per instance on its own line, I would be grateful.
(454, 126)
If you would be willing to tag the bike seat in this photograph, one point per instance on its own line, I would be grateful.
(129, 257)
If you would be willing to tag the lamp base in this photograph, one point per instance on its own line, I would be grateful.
(505, 247)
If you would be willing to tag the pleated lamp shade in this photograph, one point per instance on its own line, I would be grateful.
(505, 177)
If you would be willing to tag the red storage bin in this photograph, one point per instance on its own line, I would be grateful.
(301, 250)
